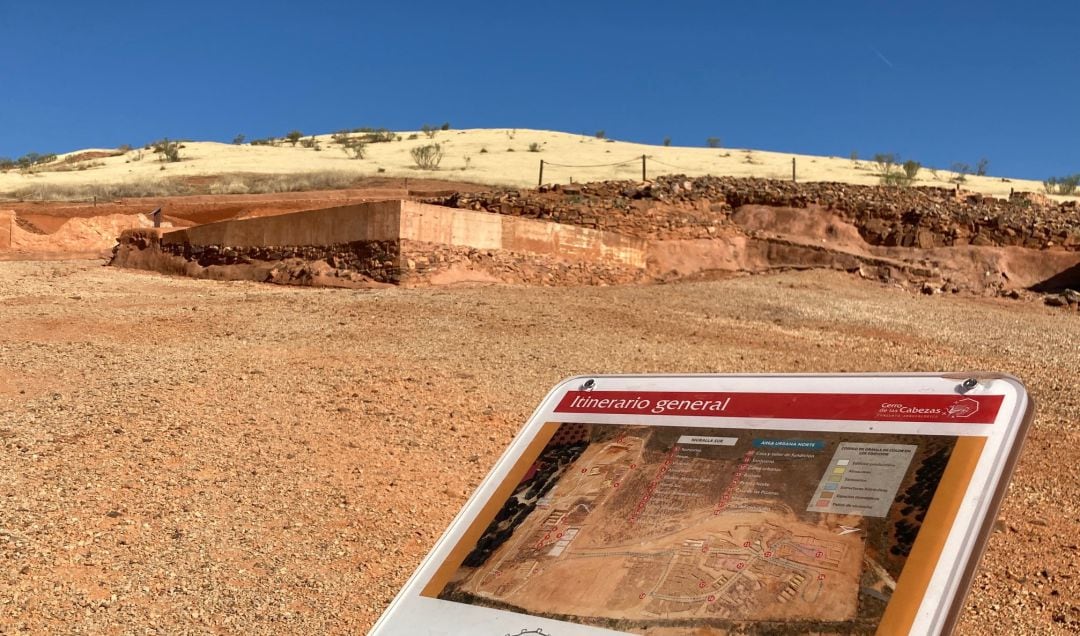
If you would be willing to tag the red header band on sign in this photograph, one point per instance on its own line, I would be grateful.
(885, 407)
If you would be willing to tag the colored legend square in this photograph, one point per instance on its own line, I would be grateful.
(839, 470)
(827, 495)
(823, 503)
(843, 462)
(835, 477)
(831, 486)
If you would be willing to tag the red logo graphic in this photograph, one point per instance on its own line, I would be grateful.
(964, 407)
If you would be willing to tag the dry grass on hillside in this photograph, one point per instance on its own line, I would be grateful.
(491, 156)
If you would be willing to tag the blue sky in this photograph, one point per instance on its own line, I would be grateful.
(936, 82)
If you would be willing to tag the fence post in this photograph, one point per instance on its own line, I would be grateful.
(793, 169)
(643, 168)
(540, 181)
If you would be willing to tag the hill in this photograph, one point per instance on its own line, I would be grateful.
(500, 157)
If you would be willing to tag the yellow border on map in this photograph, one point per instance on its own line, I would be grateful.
(920, 565)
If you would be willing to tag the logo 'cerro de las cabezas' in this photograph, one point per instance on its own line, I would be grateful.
(962, 408)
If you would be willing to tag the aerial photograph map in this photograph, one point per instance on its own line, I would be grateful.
(668, 530)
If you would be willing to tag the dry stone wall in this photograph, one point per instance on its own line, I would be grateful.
(377, 260)
(677, 207)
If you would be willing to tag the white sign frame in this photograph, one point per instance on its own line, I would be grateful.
(413, 613)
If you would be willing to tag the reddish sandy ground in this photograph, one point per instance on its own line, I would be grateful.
(185, 456)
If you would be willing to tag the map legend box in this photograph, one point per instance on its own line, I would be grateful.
(862, 479)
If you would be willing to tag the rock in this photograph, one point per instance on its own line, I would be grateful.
(1056, 301)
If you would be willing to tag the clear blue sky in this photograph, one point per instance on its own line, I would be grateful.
(939, 82)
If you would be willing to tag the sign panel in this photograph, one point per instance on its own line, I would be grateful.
(679, 506)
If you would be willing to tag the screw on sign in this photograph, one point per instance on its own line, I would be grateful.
(711, 598)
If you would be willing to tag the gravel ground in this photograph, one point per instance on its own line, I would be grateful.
(183, 456)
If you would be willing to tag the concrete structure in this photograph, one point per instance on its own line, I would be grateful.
(401, 242)
(411, 221)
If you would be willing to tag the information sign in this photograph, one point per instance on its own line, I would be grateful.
(692, 505)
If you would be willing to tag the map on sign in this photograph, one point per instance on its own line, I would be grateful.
(641, 528)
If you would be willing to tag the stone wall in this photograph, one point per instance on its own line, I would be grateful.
(376, 260)
(676, 207)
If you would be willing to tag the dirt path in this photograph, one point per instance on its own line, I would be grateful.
(182, 455)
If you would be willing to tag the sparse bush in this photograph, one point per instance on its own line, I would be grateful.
(309, 142)
(483, 150)
(468, 162)
(890, 175)
(713, 142)
(600, 134)
(428, 130)
(294, 136)
(169, 151)
(885, 162)
(445, 126)
(355, 146)
(6, 163)
(238, 140)
(509, 150)
(855, 156)
(981, 166)
(427, 157)
(667, 141)
(123, 149)
(266, 141)
(413, 136)
(32, 159)
(1062, 185)
(911, 168)
(379, 136)
(534, 147)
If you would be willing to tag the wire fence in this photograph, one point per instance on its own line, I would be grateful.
(646, 163)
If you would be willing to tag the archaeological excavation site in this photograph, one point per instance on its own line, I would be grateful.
(929, 240)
